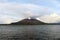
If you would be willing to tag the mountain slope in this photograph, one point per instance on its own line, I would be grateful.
(29, 22)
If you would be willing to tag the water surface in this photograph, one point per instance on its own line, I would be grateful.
(29, 32)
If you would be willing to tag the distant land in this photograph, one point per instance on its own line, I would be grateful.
(28, 22)
(31, 22)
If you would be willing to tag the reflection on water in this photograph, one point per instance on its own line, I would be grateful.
(30, 32)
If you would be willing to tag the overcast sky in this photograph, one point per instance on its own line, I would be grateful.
(15, 10)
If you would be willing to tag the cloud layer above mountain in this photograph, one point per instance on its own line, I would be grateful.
(15, 11)
(52, 18)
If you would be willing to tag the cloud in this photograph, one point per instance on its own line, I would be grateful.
(53, 18)
(5, 19)
(13, 12)
(10, 12)
(16, 12)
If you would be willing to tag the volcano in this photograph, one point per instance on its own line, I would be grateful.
(29, 22)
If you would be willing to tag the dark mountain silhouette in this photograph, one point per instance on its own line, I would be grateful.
(29, 22)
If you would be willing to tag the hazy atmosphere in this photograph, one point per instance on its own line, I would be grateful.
(29, 19)
(47, 11)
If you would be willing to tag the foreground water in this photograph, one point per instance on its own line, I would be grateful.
(29, 32)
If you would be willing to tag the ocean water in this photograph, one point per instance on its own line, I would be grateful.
(29, 32)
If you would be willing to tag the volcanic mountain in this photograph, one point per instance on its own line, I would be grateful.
(29, 22)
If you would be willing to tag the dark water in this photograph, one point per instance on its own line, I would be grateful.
(30, 32)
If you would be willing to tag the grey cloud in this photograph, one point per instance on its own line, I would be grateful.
(20, 11)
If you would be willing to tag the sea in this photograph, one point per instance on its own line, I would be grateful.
(29, 32)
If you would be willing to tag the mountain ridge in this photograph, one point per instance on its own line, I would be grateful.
(29, 22)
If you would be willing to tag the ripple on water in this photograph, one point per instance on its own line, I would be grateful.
(30, 32)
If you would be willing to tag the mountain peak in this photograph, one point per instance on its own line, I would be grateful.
(29, 21)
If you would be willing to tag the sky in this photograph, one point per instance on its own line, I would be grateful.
(47, 11)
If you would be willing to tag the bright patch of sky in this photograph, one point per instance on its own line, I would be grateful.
(15, 10)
